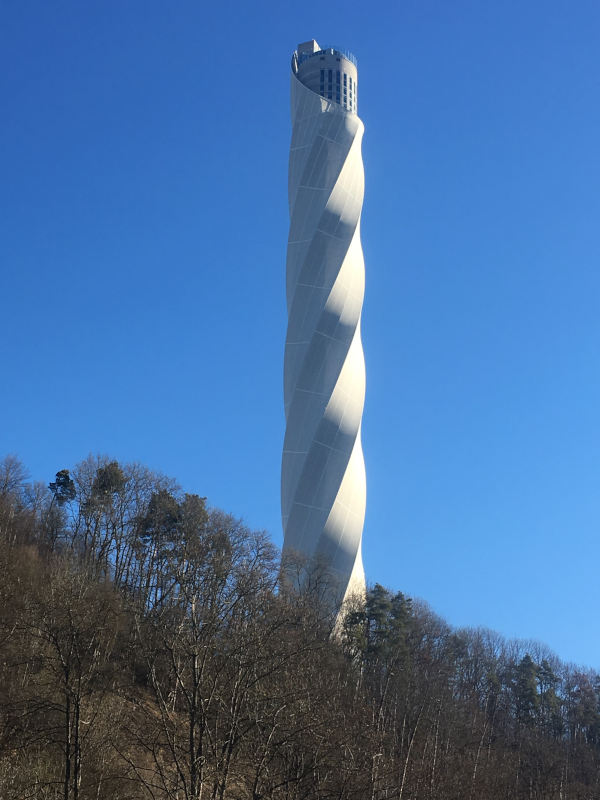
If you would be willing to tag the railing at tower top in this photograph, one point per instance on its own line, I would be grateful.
(338, 51)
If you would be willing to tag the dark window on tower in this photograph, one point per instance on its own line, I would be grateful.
(337, 76)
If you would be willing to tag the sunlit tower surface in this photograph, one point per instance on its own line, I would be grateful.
(323, 484)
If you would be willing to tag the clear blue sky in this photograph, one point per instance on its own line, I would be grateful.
(143, 226)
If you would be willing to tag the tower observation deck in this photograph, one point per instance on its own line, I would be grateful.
(331, 73)
(323, 485)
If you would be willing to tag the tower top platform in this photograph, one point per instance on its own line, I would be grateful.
(330, 72)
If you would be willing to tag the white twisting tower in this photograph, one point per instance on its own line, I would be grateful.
(323, 485)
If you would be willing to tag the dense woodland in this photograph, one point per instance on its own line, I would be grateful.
(149, 648)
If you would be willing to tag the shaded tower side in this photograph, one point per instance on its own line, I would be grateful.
(323, 484)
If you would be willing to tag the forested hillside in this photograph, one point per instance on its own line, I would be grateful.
(149, 649)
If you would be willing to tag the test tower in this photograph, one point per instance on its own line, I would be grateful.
(323, 485)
